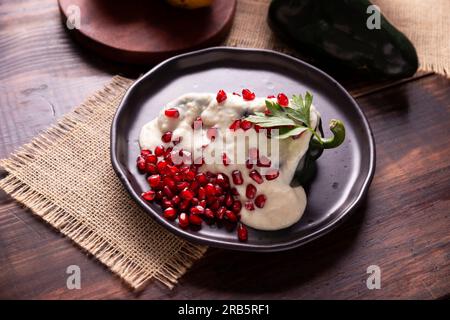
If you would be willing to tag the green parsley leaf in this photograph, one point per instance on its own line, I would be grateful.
(286, 132)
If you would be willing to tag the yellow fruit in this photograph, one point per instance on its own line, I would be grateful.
(190, 4)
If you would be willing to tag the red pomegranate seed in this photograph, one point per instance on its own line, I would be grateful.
(250, 191)
(260, 201)
(168, 158)
(167, 192)
(257, 127)
(187, 194)
(245, 125)
(159, 195)
(193, 168)
(236, 207)
(237, 177)
(220, 213)
(282, 100)
(221, 96)
(182, 185)
(189, 175)
(209, 213)
(202, 203)
(249, 206)
(184, 204)
(170, 213)
(195, 201)
(184, 169)
(176, 200)
(256, 176)
(154, 180)
(235, 125)
(172, 113)
(267, 112)
(166, 137)
(220, 179)
(271, 96)
(194, 186)
(231, 216)
(226, 161)
(197, 210)
(201, 178)
(151, 168)
(234, 192)
(212, 133)
(273, 174)
(263, 161)
(183, 220)
(248, 164)
(210, 189)
(219, 190)
(215, 205)
(223, 180)
(159, 151)
(168, 151)
(140, 163)
(168, 182)
(242, 232)
(201, 193)
(221, 199)
(149, 195)
(229, 200)
(210, 175)
(248, 95)
(145, 152)
(166, 203)
(173, 170)
(194, 219)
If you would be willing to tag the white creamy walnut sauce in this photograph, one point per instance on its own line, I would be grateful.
(283, 205)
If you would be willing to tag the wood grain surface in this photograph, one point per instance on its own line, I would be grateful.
(403, 226)
(145, 32)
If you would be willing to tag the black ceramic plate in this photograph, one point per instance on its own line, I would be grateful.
(343, 175)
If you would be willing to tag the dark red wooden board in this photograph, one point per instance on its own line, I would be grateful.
(147, 31)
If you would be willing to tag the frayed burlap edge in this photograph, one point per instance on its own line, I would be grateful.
(70, 226)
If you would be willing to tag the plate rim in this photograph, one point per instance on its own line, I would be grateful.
(244, 246)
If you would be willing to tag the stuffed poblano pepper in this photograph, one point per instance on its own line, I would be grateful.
(344, 35)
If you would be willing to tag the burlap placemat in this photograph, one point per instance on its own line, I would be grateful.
(65, 176)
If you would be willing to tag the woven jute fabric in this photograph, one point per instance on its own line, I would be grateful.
(65, 176)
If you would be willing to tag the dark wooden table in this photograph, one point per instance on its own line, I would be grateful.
(404, 227)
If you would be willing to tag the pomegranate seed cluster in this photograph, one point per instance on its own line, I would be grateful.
(192, 196)
(185, 193)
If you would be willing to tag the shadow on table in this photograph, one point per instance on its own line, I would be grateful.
(242, 273)
(103, 64)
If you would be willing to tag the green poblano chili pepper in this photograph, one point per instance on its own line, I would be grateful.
(306, 168)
